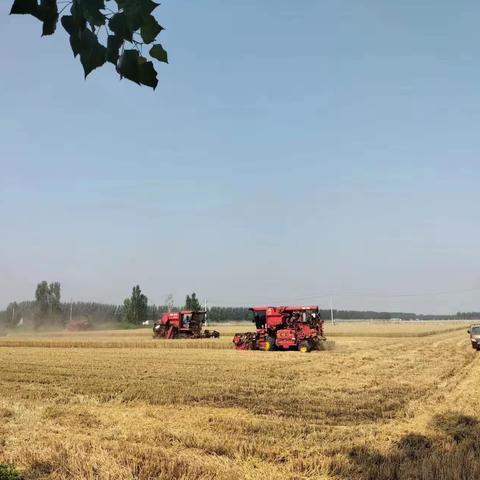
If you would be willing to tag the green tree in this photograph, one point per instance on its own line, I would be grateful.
(135, 308)
(169, 302)
(192, 303)
(47, 298)
(42, 299)
(13, 314)
(99, 34)
(54, 297)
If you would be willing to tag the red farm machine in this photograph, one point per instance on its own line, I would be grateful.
(283, 328)
(182, 324)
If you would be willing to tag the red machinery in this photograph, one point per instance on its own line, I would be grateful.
(299, 328)
(182, 324)
(77, 325)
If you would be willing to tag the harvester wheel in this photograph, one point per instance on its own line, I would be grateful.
(269, 343)
(304, 347)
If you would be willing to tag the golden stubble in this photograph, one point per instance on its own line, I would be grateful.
(120, 405)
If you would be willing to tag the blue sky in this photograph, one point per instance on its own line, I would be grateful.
(292, 150)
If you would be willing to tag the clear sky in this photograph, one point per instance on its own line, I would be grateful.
(293, 150)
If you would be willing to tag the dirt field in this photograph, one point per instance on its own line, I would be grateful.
(401, 403)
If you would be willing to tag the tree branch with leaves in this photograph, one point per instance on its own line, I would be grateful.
(100, 34)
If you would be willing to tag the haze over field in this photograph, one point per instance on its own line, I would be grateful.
(292, 150)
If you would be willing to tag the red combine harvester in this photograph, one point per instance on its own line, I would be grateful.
(77, 325)
(283, 328)
(182, 324)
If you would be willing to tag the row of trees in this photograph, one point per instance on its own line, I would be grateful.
(137, 311)
(372, 315)
(48, 308)
(228, 314)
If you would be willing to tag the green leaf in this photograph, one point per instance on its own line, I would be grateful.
(145, 7)
(92, 53)
(113, 46)
(134, 16)
(24, 7)
(134, 20)
(69, 24)
(149, 6)
(75, 24)
(91, 11)
(48, 13)
(76, 44)
(137, 12)
(150, 29)
(128, 64)
(159, 53)
(136, 68)
(147, 74)
(76, 10)
(119, 26)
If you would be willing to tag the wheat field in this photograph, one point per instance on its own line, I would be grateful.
(390, 401)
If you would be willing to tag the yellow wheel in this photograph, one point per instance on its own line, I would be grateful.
(304, 347)
(269, 343)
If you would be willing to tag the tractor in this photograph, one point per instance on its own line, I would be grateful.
(283, 328)
(182, 324)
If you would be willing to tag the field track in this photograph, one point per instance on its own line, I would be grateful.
(403, 407)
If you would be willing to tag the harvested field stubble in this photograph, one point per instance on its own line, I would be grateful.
(142, 338)
(372, 408)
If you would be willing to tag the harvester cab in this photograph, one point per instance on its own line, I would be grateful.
(283, 328)
(182, 324)
(259, 318)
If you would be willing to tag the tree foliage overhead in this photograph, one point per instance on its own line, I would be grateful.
(101, 31)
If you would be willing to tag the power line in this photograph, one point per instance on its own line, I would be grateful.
(367, 294)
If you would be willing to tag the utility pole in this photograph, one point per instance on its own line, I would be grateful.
(331, 310)
(71, 309)
(13, 315)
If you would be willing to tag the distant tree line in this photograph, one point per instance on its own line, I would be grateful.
(372, 315)
(228, 314)
(233, 314)
(100, 313)
(47, 308)
(366, 315)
